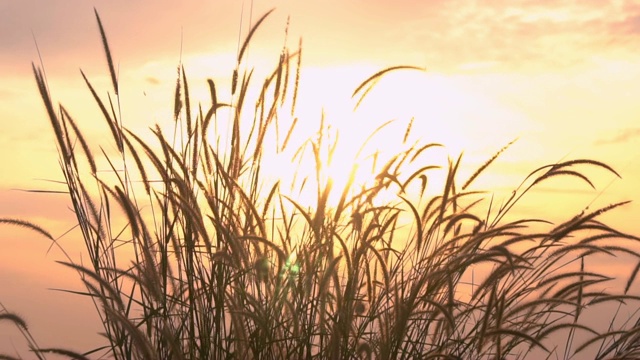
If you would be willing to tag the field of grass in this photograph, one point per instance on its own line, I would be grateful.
(194, 253)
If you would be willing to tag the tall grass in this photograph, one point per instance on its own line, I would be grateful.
(216, 261)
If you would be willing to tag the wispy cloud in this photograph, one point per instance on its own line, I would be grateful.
(530, 34)
(439, 34)
(152, 80)
(623, 136)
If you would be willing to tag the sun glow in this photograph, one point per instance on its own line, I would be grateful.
(334, 143)
(344, 143)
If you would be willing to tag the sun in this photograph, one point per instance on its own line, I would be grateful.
(333, 144)
(341, 145)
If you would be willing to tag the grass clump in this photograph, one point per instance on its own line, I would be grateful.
(224, 263)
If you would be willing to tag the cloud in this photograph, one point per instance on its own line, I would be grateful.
(629, 26)
(522, 35)
(479, 65)
(152, 80)
(67, 34)
(437, 34)
(624, 136)
(629, 23)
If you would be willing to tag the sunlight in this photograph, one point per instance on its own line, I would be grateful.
(404, 109)
(224, 198)
(358, 136)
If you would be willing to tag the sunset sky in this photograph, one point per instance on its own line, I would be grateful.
(561, 76)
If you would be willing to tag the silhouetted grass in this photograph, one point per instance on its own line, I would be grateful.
(226, 264)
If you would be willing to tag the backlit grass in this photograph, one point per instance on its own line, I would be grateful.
(196, 252)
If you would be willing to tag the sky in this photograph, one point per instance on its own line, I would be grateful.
(561, 76)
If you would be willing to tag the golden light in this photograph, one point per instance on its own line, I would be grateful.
(353, 137)
(354, 140)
